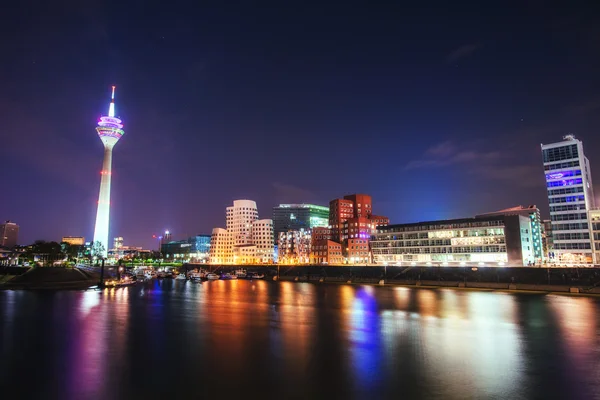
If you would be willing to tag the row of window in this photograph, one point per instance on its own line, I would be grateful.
(563, 174)
(553, 192)
(569, 227)
(567, 199)
(565, 182)
(442, 250)
(568, 207)
(567, 164)
(572, 246)
(571, 236)
(462, 225)
(568, 217)
(560, 153)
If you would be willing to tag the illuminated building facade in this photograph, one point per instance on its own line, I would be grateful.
(110, 130)
(9, 234)
(352, 219)
(73, 240)
(326, 252)
(535, 226)
(240, 217)
(595, 234)
(264, 240)
(501, 240)
(570, 196)
(294, 246)
(357, 251)
(547, 240)
(221, 247)
(118, 242)
(299, 216)
(192, 249)
(247, 240)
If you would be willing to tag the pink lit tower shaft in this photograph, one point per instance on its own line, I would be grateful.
(110, 130)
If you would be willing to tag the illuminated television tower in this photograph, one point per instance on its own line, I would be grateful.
(110, 130)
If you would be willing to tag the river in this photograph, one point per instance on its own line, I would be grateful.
(256, 339)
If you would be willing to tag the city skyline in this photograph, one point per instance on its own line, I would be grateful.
(459, 119)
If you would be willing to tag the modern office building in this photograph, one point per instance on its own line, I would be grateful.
(294, 246)
(570, 196)
(340, 210)
(352, 222)
(595, 234)
(110, 130)
(193, 249)
(118, 242)
(73, 240)
(326, 252)
(9, 234)
(357, 251)
(547, 241)
(221, 247)
(299, 216)
(535, 226)
(240, 217)
(501, 240)
(264, 240)
(246, 239)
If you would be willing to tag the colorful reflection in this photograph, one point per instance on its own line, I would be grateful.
(361, 324)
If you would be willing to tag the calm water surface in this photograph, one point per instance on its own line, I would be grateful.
(232, 339)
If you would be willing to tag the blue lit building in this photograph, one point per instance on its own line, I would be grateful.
(298, 216)
(571, 197)
(195, 248)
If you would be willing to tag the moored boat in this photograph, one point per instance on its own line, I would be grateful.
(241, 273)
(256, 275)
(212, 277)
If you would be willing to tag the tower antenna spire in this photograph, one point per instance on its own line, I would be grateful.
(111, 107)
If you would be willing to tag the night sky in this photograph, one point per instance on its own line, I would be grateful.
(437, 112)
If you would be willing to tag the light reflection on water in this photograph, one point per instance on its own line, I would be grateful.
(300, 340)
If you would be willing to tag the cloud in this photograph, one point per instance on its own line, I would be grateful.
(448, 153)
(461, 52)
(285, 193)
(526, 175)
(491, 165)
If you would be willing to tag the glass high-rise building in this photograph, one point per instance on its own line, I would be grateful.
(299, 216)
(571, 197)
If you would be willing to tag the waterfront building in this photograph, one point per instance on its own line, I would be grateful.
(594, 221)
(500, 240)
(340, 210)
(254, 237)
(110, 130)
(294, 246)
(193, 249)
(547, 241)
(264, 240)
(221, 247)
(326, 252)
(570, 196)
(299, 216)
(240, 217)
(73, 240)
(9, 234)
(357, 251)
(535, 226)
(118, 242)
(245, 254)
(352, 218)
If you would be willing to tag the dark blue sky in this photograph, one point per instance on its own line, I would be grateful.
(437, 111)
